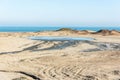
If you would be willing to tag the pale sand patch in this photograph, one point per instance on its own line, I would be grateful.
(9, 44)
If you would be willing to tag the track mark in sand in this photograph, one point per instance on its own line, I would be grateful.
(79, 72)
(52, 73)
(63, 72)
(24, 73)
(60, 72)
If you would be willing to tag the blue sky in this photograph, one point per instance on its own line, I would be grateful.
(60, 12)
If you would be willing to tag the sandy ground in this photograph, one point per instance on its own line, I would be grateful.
(24, 59)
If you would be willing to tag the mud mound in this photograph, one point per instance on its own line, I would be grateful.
(107, 32)
(65, 29)
(84, 32)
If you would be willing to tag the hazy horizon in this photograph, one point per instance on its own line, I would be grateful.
(50, 13)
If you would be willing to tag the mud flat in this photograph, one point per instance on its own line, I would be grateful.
(25, 59)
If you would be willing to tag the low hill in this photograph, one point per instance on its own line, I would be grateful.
(107, 32)
(65, 29)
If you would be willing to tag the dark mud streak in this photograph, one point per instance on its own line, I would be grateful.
(30, 75)
(24, 73)
(11, 52)
(101, 46)
(59, 46)
(28, 48)
(34, 46)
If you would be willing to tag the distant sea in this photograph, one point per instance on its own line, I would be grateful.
(36, 29)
